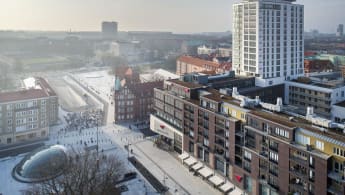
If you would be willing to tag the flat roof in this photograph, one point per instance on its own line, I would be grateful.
(186, 84)
(44, 90)
(283, 119)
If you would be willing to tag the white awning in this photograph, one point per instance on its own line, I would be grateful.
(197, 166)
(205, 172)
(226, 187)
(190, 161)
(216, 180)
(183, 156)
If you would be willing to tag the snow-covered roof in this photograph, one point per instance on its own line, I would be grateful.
(30, 83)
(159, 74)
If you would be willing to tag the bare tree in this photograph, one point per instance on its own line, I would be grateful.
(84, 175)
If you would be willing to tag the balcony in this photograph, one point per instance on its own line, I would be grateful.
(264, 143)
(238, 161)
(248, 169)
(250, 144)
(263, 168)
(335, 189)
(238, 151)
(220, 143)
(264, 153)
(273, 148)
(220, 132)
(220, 124)
(250, 136)
(219, 151)
(274, 186)
(339, 177)
(298, 184)
(299, 159)
(299, 171)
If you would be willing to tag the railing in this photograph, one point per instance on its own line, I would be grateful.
(274, 148)
(299, 172)
(299, 159)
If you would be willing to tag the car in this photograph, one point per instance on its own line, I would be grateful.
(130, 175)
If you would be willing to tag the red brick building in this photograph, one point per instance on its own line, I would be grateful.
(318, 66)
(133, 101)
(189, 64)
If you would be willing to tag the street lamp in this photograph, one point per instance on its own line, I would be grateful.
(97, 142)
(97, 137)
(128, 144)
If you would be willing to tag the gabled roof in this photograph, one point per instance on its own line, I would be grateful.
(123, 71)
(197, 61)
(144, 88)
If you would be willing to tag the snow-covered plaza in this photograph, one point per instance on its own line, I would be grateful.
(113, 139)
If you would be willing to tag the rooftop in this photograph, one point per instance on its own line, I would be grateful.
(186, 84)
(327, 80)
(218, 97)
(37, 88)
(28, 94)
(145, 88)
(197, 61)
(284, 119)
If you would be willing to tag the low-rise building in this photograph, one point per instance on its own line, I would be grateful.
(320, 91)
(26, 115)
(312, 66)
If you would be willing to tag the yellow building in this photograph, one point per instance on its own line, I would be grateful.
(326, 144)
(234, 111)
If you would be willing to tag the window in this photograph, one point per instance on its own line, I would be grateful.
(301, 139)
(319, 145)
(274, 157)
(220, 165)
(191, 147)
(206, 142)
(338, 152)
(247, 155)
(281, 132)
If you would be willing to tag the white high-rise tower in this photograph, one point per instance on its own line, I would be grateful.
(268, 40)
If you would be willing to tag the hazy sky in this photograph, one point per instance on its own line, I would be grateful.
(162, 15)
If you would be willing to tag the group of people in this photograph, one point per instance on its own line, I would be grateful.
(83, 120)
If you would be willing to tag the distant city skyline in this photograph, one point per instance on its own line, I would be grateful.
(178, 16)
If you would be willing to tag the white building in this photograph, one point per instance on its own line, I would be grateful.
(158, 75)
(319, 93)
(204, 50)
(268, 40)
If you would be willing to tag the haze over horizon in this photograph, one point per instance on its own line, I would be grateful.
(148, 15)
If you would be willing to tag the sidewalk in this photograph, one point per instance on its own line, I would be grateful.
(161, 163)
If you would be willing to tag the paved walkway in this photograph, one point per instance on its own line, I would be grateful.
(160, 162)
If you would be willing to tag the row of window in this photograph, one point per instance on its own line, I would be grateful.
(339, 152)
(282, 132)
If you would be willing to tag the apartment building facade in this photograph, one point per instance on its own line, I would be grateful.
(268, 40)
(261, 151)
(321, 95)
(134, 101)
(27, 114)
